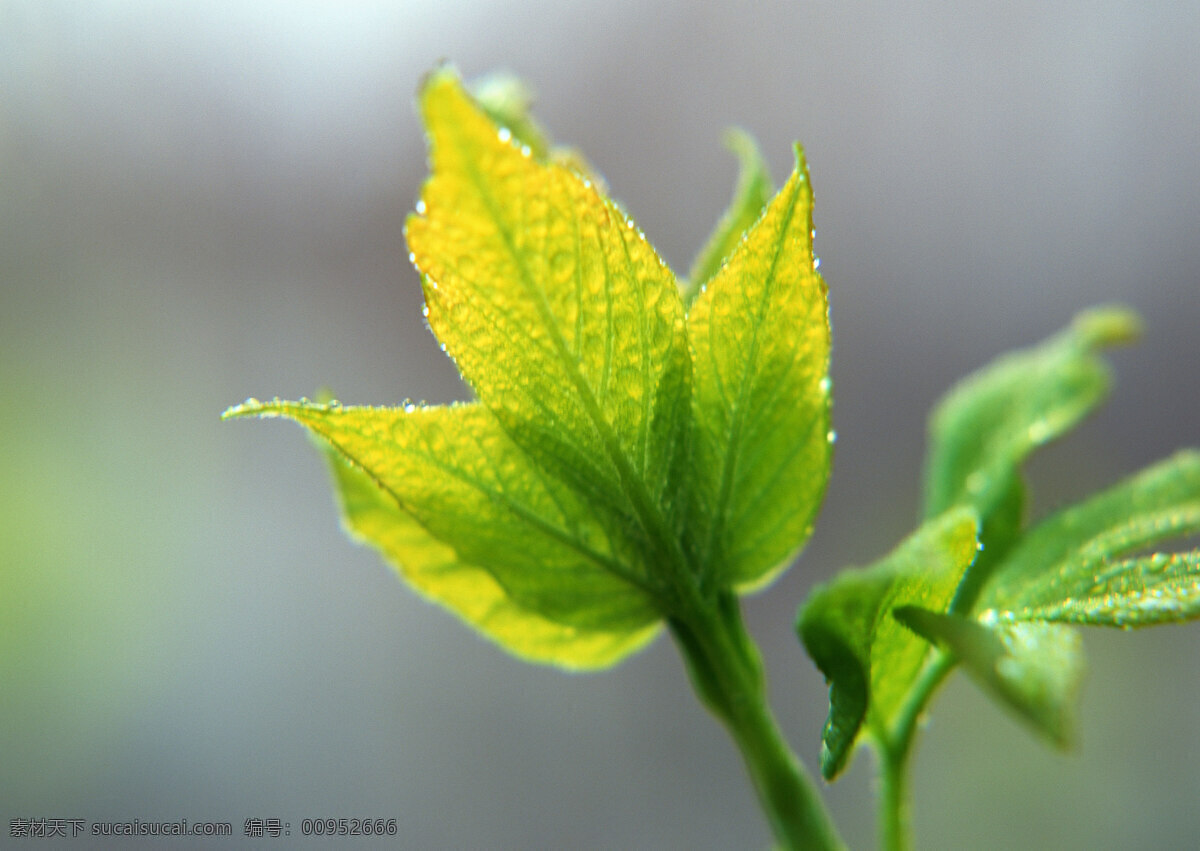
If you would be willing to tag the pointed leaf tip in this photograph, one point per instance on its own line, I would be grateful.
(1108, 325)
(800, 159)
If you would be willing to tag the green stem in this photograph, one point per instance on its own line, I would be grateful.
(895, 829)
(726, 672)
(895, 748)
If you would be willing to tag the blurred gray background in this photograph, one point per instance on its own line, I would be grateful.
(203, 201)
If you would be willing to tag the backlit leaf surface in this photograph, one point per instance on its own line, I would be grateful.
(762, 442)
(566, 512)
(372, 516)
(556, 310)
(459, 476)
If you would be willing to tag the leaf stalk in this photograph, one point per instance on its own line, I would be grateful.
(726, 672)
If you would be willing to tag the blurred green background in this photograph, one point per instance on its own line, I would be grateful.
(203, 201)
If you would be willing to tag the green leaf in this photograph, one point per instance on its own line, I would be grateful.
(983, 429)
(372, 516)
(761, 441)
(586, 495)
(869, 659)
(750, 197)
(1035, 669)
(1072, 567)
(459, 476)
(557, 312)
(1147, 591)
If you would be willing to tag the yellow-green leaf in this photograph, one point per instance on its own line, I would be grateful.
(557, 311)
(761, 396)
(584, 495)
(372, 516)
(456, 473)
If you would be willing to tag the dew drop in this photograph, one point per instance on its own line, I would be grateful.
(420, 208)
(504, 135)
(525, 152)
(831, 436)
(251, 402)
(425, 310)
(816, 262)
(333, 404)
(826, 384)
(409, 407)
(412, 258)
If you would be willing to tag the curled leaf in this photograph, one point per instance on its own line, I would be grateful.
(869, 659)
(984, 428)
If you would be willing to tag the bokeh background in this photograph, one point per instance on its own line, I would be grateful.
(203, 201)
